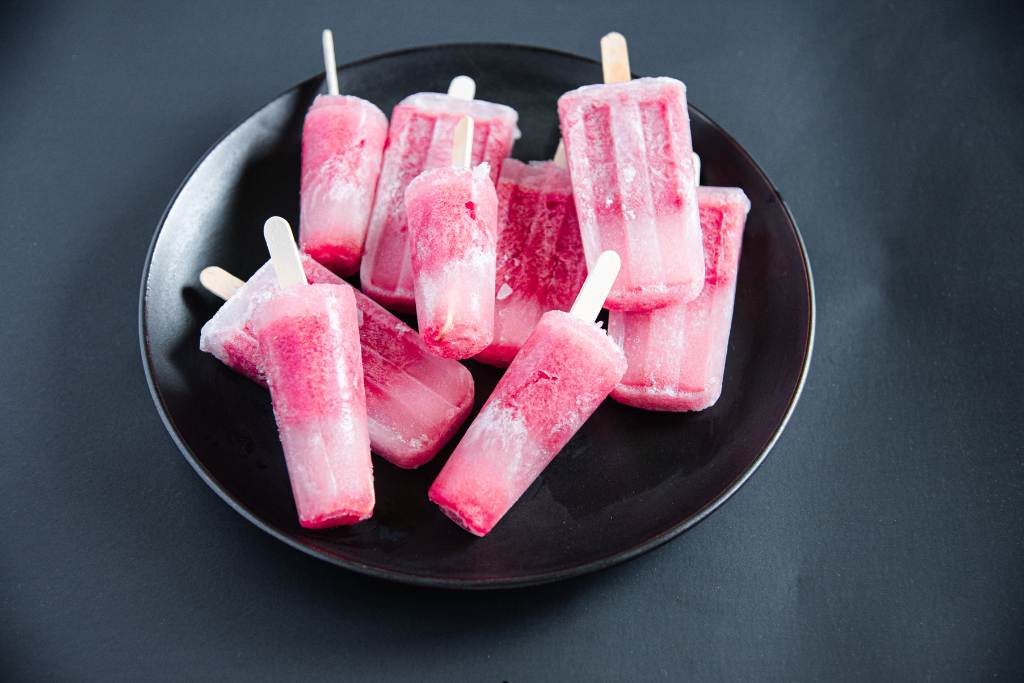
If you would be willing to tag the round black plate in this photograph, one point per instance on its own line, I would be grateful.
(627, 482)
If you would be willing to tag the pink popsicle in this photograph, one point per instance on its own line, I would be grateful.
(453, 235)
(677, 354)
(311, 359)
(420, 138)
(415, 400)
(342, 145)
(540, 263)
(630, 155)
(564, 371)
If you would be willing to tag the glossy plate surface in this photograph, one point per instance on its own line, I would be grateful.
(629, 481)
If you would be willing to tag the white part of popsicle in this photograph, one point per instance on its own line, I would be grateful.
(284, 254)
(462, 150)
(559, 157)
(696, 169)
(615, 58)
(462, 87)
(596, 287)
(330, 66)
(220, 282)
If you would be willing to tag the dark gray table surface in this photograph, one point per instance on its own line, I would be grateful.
(882, 539)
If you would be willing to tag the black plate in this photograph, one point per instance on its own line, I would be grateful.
(629, 481)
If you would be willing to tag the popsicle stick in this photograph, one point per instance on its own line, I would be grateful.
(615, 58)
(284, 254)
(462, 87)
(559, 157)
(330, 66)
(596, 287)
(218, 281)
(449, 323)
(462, 149)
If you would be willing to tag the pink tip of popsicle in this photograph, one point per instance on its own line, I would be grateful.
(339, 518)
(475, 520)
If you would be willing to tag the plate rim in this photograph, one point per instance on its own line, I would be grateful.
(619, 557)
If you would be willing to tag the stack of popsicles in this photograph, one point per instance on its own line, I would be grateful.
(491, 253)
(415, 400)
(635, 177)
(421, 138)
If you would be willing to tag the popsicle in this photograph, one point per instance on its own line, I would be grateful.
(630, 157)
(415, 401)
(420, 138)
(342, 146)
(540, 263)
(562, 374)
(309, 346)
(453, 214)
(676, 354)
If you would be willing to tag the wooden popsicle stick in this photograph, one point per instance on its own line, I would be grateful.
(284, 254)
(462, 87)
(449, 323)
(218, 281)
(330, 66)
(596, 287)
(462, 145)
(559, 157)
(615, 58)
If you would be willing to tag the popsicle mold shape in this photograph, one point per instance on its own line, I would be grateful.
(540, 262)
(630, 157)
(676, 354)
(311, 360)
(420, 138)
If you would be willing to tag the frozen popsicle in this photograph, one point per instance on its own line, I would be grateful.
(342, 146)
(540, 263)
(420, 138)
(562, 374)
(676, 354)
(415, 401)
(309, 347)
(630, 157)
(452, 214)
